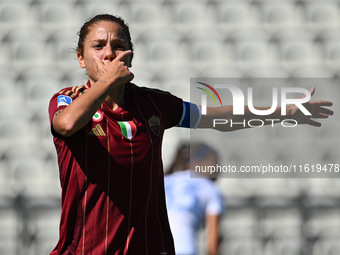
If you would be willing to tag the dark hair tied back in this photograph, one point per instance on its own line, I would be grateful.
(99, 18)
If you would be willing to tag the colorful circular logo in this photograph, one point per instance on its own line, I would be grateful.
(97, 117)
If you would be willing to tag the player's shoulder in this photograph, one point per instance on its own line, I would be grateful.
(155, 91)
(73, 92)
(68, 94)
(147, 90)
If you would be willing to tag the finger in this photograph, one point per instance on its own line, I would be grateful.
(326, 111)
(313, 123)
(123, 55)
(322, 113)
(322, 103)
(321, 116)
(312, 91)
(99, 64)
(98, 61)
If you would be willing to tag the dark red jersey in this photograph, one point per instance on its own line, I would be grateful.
(111, 175)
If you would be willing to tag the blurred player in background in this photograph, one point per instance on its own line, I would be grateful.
(108, 136)
(193, 202)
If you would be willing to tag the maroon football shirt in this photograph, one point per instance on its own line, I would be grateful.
(111, 175)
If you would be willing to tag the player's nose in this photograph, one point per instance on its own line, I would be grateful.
(109, 54)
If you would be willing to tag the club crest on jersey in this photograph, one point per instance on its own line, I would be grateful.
(128, 128)
(155, 124)
(64, 100)
(98, 116)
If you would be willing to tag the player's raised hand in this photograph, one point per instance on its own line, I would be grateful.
(318, 110)
(117, 69)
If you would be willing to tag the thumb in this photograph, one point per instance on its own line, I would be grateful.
(99, 64)
(311, 91)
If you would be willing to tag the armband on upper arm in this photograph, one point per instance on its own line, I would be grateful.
(191, 115)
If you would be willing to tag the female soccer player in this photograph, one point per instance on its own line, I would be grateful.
(108, 135)
(193, 203)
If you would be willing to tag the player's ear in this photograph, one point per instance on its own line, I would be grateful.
(81, 60)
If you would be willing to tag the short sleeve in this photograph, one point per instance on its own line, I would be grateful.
(215, 203)
(58, 102)
(170, 106)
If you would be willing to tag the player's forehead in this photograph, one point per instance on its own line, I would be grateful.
(105, 30)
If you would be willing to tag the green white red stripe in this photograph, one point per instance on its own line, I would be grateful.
(128, 128)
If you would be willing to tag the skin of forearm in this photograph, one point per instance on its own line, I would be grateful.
(80, 111)
(213, 234)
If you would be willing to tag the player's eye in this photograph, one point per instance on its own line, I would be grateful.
(119, 47)
(98, 46)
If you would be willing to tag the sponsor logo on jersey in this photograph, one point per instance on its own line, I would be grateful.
(98, 116)
(155, 124)
(128, 129)
(97, 131)
(64, 100)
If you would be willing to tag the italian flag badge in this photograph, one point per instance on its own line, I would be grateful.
(128, 128)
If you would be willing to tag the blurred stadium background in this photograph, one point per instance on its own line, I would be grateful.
(174, 40)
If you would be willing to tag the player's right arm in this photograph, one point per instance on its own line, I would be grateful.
(76, 115)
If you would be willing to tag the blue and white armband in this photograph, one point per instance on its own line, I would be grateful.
(191, 115)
